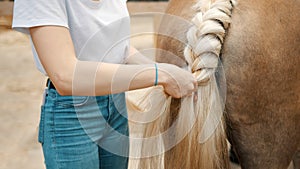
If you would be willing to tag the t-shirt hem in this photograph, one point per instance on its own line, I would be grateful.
(24, 27)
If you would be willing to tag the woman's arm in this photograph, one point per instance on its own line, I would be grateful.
(73, 77)
(135, 57)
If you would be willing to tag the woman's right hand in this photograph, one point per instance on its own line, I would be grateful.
(177, 82)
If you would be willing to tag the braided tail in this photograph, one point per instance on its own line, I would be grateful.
(205, 40)
(198, 132)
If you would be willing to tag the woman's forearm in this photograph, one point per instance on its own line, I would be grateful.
(91, 78)
(135, 57)
(73, 77)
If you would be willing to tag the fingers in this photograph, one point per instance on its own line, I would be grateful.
(192, 87)
(180, 83)
(187, 90)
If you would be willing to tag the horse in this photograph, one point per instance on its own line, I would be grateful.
(261, 63)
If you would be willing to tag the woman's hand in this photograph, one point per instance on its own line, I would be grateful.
(177, 82)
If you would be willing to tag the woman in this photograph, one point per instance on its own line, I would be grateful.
(83, 47)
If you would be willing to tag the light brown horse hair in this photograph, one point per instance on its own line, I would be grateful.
(204, 146)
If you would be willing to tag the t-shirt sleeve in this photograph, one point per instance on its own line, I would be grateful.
(31, 13)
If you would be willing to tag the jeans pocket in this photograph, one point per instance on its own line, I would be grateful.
(80, 100)
(41, 126)
(71, 101)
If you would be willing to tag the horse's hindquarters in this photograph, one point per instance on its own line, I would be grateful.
(261, 60)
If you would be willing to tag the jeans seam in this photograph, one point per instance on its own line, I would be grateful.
(42, 126)
(53, 106)
(110, 110)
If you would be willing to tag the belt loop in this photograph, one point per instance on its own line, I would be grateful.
(48, 83)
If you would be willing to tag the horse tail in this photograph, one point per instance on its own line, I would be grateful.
(196, 139)
(205, 40)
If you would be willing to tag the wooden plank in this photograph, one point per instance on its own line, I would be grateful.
(5, 21)
(6, 8)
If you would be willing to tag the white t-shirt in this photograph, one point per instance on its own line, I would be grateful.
(100, 30)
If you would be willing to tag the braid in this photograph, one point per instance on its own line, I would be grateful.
(206, 36)
(204, 146)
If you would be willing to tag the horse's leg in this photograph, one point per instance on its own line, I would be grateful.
(262, 65)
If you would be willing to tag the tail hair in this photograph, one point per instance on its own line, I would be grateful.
(198, 133)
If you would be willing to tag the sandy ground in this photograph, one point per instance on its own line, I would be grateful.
(21, 87)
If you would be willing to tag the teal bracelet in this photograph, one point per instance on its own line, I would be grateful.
(156, 75)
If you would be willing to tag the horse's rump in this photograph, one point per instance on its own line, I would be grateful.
(261, 61)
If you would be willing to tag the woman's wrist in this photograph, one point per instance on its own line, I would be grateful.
(156, 74)
(163, 76)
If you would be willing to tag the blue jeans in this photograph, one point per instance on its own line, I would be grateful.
(82, 132)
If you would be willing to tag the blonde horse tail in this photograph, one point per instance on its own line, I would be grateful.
(196, 138)
(207, 147)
